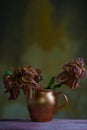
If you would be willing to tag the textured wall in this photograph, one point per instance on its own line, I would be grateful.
(44, 34)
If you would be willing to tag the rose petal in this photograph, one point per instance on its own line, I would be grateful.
(62, 77)
(80, 61)
(84, 73)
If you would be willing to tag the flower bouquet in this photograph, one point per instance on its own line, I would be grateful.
(43, 100)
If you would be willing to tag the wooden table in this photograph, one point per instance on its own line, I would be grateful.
(55, 124)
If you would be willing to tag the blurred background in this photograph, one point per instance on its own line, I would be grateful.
(44, 34)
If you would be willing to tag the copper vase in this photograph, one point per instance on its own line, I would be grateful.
(44, 104)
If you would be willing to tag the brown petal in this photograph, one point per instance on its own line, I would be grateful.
(72, 82)
(27, 92)
(14, 92)
(62, 77)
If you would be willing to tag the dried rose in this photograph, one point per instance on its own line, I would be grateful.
(73, 72)
(25, 78)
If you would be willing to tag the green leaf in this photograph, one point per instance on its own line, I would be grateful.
(7, 72)
(51, 82)
(57, 86)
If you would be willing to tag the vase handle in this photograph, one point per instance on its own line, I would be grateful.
(65, 100)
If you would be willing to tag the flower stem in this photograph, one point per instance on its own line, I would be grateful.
(57, 86)
(51, 82)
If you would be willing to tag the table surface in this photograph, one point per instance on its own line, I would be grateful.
(55, 124)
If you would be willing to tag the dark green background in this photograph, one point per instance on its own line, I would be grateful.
(44, 34)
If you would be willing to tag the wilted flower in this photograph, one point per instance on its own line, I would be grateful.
(25, 78)
(73, 72)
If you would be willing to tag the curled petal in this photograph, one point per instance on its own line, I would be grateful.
(34, 84)
(62, 77)
(25, 78)
(84, 73)
(26, 91)
(14, 92)
(73, 72)
(76, 69)
(75, 84)
(80, 61)
(72, 83)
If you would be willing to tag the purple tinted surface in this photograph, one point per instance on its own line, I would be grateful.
(55, 124)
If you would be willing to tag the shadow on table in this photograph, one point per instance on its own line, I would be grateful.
(18, 120)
